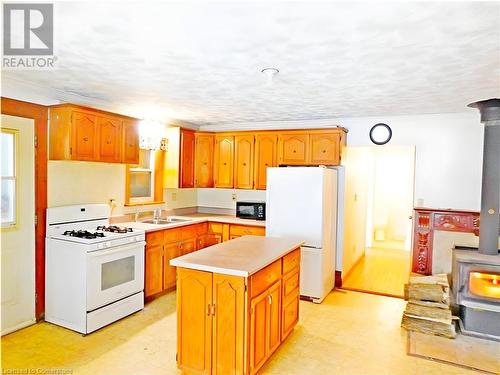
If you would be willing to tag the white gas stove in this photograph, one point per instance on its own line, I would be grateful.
(94, 272)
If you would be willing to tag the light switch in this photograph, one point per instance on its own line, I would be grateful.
(234, 196)
(174, 196)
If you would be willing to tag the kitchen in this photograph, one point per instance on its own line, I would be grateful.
(181, 174)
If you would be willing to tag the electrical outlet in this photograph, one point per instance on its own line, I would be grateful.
(233, 196)
(174, 196)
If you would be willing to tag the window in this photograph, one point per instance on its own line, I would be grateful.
(8, 206)
(142, 178)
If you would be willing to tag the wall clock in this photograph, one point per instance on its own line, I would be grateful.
(380, 133)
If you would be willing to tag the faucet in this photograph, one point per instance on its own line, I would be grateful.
(136, 216)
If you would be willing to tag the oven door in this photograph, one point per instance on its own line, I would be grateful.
(114, 274)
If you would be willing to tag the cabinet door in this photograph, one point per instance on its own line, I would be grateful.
(194, 321)
(223, 161)
(186, 162)
(325, 148)
(204, 157)
(207, 240)
(293, 148)
(130, 142)
(244, 156)
(153, 263)
(290, 315)
(265, 156)
(84, 136)
(259, 332)
(274, 300)
(110, 135)
(228, 325)
(187, 246)
(170, 272)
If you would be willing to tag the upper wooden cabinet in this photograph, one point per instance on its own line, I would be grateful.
(293, 148)
(81, 133)
(186, 160)
(265, 157)
(130, 142)
(243, 161)
(204, 160)
(84, 137)
(311, 147)
(224, 161)
(110, 136)
(325, 148)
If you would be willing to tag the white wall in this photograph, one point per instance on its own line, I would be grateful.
(222, 198)
(77, 182)
(448, 154)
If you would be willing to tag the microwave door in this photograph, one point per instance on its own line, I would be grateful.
(246, 211)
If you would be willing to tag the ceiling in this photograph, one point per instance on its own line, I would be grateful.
(201, 63)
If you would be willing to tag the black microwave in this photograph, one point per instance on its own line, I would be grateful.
(251, 210)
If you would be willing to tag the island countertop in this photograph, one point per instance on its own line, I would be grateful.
(242, 256)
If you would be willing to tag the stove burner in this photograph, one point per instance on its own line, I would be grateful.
(114, 229)
(83, 234)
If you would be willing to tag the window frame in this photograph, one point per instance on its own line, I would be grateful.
(14, 223)
(156, 169)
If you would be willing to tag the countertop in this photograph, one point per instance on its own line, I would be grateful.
(242, 256)
(194, 219)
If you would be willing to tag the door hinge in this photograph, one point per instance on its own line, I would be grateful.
(71, 150)
(36, 298)
(36, 141)
(176, 357)
(36, 219)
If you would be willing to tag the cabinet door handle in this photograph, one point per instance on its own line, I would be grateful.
(270, 298)
(244, 164)
(213, 309)
(208, 309)
(324, 151)
(85, 139)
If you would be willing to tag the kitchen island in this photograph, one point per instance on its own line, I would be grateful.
(236, 303)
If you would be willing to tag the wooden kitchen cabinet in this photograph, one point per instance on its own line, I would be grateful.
(204, 160)
(171, 251)
(311, 147)
(224, 161)
(186, 160)
(293, 148)
(243, 161)
(325, 148)
(130, 142)
(84, 129)
(244, 230)
(110, 139)
(153, 275)
(228, 340)
(239, 320)
(194, 320)
(265, 156)
(87, 134)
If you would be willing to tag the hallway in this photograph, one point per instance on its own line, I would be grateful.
(380, 271)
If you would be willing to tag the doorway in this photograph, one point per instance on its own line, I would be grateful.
(17, 208)
(379, 205)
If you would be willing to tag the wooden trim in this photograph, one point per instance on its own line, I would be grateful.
(39, 113)
(92, 110)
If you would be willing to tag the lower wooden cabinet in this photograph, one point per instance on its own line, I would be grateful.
(225, 327)
(163, 245)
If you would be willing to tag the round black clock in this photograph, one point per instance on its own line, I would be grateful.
(380, 134)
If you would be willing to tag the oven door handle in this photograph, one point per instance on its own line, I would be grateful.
(101, 253)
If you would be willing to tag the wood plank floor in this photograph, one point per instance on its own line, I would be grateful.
(382, 271)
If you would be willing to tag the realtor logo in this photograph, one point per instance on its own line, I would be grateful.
(28, 30)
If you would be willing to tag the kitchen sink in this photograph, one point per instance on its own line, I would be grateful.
(166, 220)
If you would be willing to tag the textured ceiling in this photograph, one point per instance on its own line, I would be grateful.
(201, 62)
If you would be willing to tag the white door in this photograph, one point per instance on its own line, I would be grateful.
(17, 212)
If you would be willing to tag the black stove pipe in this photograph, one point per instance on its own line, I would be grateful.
(490, 192)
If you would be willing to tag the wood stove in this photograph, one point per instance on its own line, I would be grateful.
(476, 272)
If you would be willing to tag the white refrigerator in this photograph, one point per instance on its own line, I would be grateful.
(301, 203)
